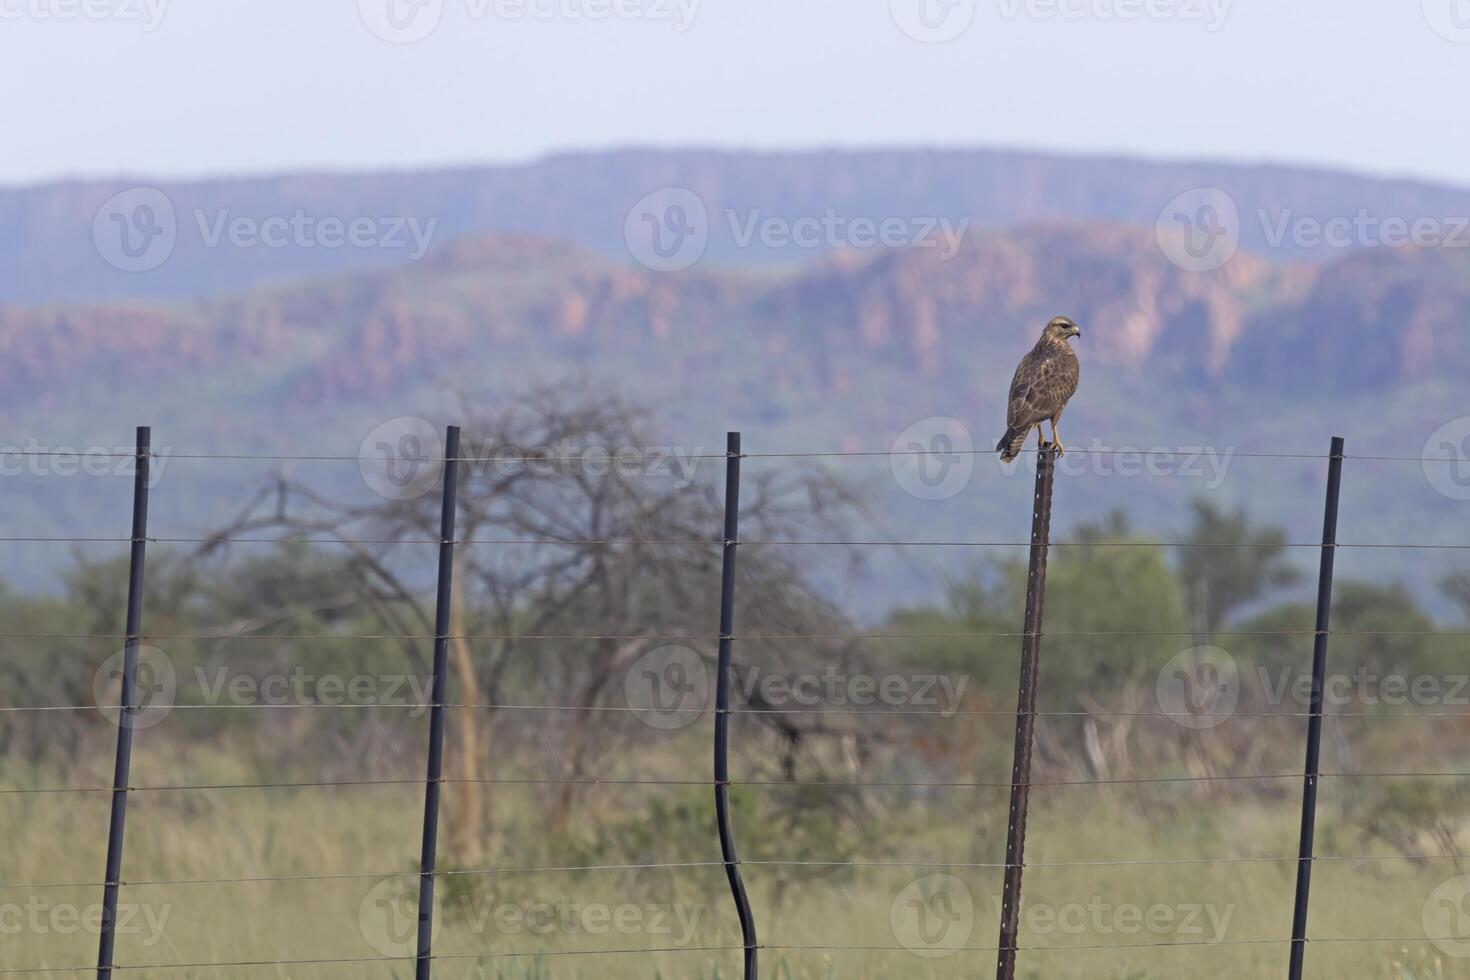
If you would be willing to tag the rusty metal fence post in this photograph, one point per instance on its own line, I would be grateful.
(1010, 909)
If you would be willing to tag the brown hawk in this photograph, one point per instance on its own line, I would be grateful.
(1045, 379)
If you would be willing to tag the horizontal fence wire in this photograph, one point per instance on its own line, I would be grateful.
(645, 455)
(840, 785)
(792, 783)
(804, 712)
(709, 637)
(690, 865)
(778, 947)
(715, 543)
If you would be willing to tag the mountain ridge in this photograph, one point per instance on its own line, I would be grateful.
(49, 253)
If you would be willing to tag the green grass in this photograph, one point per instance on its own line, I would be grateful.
(245, 833)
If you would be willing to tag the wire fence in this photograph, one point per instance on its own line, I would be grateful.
(135, 636)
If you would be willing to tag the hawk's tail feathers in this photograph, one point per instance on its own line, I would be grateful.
(1012, 443)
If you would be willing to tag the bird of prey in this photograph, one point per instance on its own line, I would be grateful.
(1045, 379)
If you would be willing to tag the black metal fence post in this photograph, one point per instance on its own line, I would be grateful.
(124, 758)
(423, 968)
(1314, 723)
(1010, 909)
(722, 704)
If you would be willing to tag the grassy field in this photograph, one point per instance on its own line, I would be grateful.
(1220, 919)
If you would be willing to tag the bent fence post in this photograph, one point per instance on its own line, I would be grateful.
(423, 966)
(1314, 723)
(1010, 915)
(722, 704)
(124, 758)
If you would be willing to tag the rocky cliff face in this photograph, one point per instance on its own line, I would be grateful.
(1372, 319)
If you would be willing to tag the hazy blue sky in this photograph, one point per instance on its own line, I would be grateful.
(185, 87)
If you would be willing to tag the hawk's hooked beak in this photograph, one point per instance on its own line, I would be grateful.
(1076, 331)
